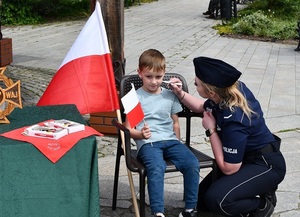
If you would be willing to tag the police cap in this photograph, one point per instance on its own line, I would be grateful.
(215, 72)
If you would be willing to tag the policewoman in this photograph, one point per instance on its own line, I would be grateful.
(249, 160)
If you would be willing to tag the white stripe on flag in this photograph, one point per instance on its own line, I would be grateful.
(81, 46)
(130, 100)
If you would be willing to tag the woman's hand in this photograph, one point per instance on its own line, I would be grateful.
(193, 103)
(177, 89)
(208, 120)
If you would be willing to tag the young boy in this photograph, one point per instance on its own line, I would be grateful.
(157, 137)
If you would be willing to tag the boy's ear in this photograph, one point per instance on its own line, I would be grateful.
(139, 73)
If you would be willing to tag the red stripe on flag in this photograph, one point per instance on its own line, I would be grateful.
(136, 115)
(87, 82)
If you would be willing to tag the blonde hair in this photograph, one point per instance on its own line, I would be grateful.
(231, 97)
(152, 59)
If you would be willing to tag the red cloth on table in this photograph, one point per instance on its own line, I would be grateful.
(53, 149)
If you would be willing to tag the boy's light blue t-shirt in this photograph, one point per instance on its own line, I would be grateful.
(158, 109)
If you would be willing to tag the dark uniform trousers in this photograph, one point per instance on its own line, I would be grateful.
(232, 195)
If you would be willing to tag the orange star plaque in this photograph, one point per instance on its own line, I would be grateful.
(10, 97)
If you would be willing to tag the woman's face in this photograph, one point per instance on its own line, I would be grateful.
(200, 88)
(204, 93)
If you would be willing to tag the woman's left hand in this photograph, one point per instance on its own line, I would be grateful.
(208, 120)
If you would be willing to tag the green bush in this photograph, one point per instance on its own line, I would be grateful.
(21, 12)
(259, 24)
(251, 24)
(281, 9)
(274, 19)
(16, 12)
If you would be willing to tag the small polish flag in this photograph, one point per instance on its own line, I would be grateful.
(132, 106)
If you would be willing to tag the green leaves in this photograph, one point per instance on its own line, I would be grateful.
(23, 12)
(260, 24)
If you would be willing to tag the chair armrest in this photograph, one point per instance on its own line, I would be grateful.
(196, 114)
(188, 115)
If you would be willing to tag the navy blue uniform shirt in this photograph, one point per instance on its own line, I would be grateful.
(239, 134)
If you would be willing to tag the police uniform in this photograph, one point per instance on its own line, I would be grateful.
(244, 140)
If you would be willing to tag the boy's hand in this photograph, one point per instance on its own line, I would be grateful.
(146, 133)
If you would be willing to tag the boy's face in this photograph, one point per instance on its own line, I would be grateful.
(151, 80)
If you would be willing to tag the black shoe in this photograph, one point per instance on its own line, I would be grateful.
(211, 16)
(271, 196)
(184, 213)
(207, 13)
(265, 212)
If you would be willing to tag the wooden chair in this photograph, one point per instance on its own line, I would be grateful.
(131, 159)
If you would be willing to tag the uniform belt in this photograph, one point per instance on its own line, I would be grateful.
(267, 149)
(271, 147)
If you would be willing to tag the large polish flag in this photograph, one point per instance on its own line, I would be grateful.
(132, 107)
(85, 77)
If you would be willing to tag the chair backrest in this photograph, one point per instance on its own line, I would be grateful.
(125, 87)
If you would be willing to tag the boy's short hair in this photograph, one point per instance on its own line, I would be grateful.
(152, 59)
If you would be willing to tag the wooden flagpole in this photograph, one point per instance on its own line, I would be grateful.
(137, 213)
(113, 13)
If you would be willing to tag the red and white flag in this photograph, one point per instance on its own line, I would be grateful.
(133, 108)
(85, 77)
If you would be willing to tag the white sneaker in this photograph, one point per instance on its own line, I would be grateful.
(184, 213)
(159, 214)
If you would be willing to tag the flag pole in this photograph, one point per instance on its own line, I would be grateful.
(134, 200)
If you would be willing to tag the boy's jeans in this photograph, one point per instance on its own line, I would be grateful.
(153, 155)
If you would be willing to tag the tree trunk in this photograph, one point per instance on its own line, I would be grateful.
(92, 5)
(113, 15)
(1, 19)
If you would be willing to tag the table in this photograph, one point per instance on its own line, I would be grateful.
(31, 185)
